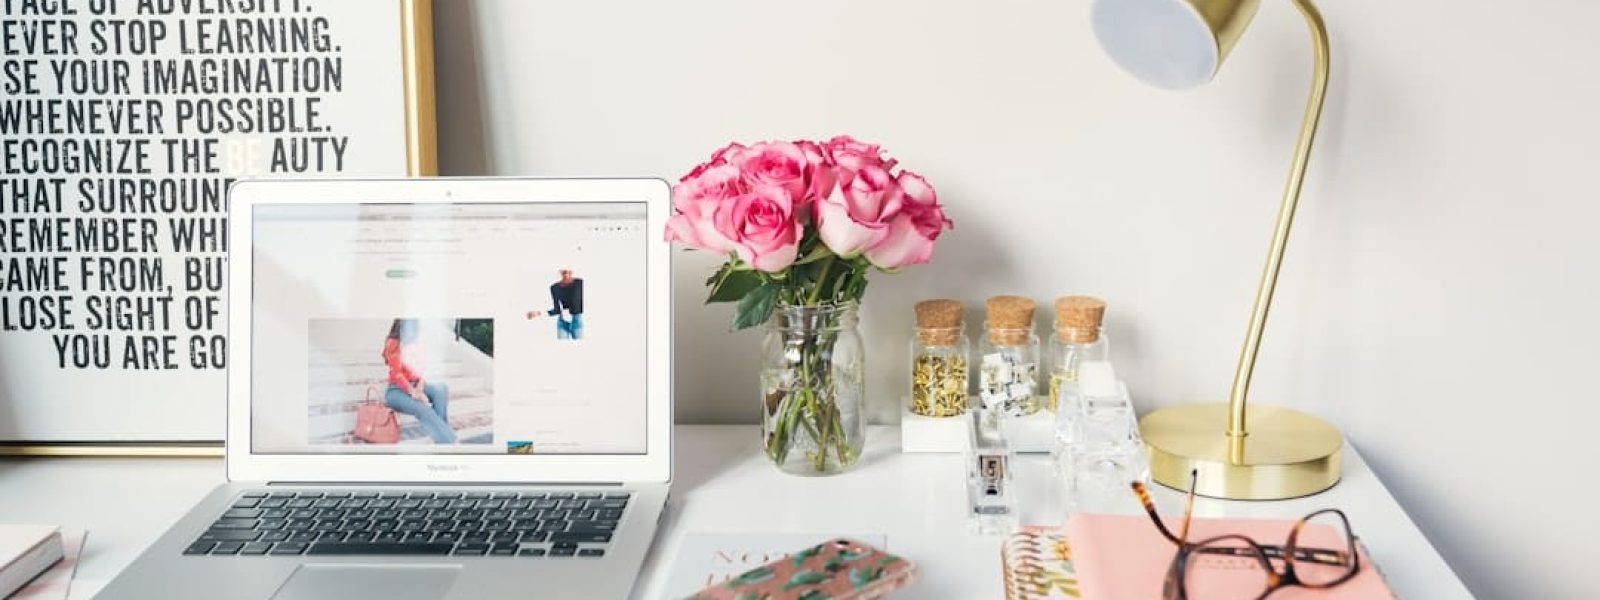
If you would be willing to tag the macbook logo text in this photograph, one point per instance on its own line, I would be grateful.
(447, 468)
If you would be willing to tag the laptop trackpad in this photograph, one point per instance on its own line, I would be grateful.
(389, 582)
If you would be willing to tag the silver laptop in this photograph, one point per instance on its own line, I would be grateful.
(443, 388)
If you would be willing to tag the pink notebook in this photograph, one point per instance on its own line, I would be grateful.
(1124, 557)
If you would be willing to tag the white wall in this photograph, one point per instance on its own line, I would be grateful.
(1439, 302)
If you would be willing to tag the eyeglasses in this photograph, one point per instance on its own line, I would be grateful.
(1317, 568)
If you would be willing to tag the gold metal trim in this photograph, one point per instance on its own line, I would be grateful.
(422, 150)
(1282, 453)
(422, 160)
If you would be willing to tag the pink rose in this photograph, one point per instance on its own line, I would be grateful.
(854, 154)
(856, 215)
(763, 228)
(696, 200)
(776, 164)
(821, 175)
(911, 233)
(721, 157)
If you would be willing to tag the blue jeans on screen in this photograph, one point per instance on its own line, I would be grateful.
(435, 419)
(569, 328)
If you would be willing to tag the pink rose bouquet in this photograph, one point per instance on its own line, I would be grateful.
(803, 223)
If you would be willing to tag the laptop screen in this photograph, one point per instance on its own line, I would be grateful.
(470, 328)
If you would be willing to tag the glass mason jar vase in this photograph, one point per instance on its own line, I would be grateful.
(812, 389)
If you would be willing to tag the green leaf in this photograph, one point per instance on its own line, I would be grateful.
(802, 556)
(861, 577)
(804, 578)
(733, 285)
(756, 307)
(835, 564)
(751, 577)
(814, 595)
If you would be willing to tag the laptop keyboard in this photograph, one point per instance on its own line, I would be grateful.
(431, 523)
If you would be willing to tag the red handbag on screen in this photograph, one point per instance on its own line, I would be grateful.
(375, 422)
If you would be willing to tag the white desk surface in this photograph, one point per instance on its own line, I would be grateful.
(723, 484)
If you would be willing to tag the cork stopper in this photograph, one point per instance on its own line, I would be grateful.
(1010, 319)
(1078, 319)
(939, 322)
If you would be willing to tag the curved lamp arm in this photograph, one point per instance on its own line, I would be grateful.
(1280, 235)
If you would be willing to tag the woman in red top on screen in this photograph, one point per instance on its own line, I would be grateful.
(408, 392)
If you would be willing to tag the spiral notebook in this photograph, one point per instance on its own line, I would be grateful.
(1037, 565)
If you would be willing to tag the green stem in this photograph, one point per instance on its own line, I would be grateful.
(816, 289)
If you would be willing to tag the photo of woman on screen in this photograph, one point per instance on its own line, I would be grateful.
(409, 393)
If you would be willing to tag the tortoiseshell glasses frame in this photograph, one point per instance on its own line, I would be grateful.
(1241, 546)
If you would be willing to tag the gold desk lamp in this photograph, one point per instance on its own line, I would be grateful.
(1265, 452)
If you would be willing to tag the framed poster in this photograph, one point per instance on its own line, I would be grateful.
(122, 122)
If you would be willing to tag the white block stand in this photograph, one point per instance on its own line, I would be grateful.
(1031, 434)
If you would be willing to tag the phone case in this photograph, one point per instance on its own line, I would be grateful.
(834, 570)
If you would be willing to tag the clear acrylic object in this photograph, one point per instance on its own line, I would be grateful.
(991, 499)
(1098, 447)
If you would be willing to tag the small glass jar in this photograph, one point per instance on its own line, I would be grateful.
(1008, 371)
(1076, 339)
(939, 353)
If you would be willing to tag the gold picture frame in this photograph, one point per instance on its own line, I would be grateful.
(416, 24)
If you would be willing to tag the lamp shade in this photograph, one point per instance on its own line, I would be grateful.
(1173, 44)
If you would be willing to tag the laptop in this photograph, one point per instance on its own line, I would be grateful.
(440, 388)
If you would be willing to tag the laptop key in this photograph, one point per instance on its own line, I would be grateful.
(255, 549)
(504, 550)
(592, 552)
(234, 524)
(303, 537)
(288, 549)
(618, 496)
(534, 537)
(275, 536)
(230, 535)
(532, 552)
(373, 549)
(563, 551)
(243, 513)
(227, 548)
(589, 496)
(574, 538)
(200, 547)
(592, 528)
(247, 503)
(472, 549)
(254, 494)
(475, 495)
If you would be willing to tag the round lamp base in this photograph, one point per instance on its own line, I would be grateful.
(1287, 453)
